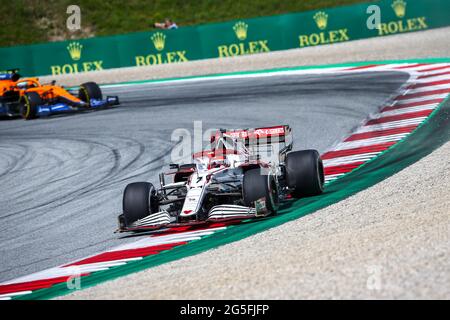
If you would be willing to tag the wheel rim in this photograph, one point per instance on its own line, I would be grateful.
(27, 107)
(320, 173)
(88, 100)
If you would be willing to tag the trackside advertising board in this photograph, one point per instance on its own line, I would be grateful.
(228, 39)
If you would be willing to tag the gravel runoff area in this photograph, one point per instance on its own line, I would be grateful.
(423, 44)
(390, 241)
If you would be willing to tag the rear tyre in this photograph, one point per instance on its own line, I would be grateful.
(304, 173)
(88, 91)
(29, 104)
(139, 201)
(257, 186)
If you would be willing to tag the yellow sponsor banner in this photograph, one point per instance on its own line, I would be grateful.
(323, 35)
(402, 24)
(158, 40)
(75, 64)
(242, 47)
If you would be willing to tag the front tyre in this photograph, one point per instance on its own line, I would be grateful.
(29, 103)
(257, 186)
(139, 201)
(304, 173)
(88, 91)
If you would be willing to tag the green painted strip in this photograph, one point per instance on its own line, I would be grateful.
(425, 139)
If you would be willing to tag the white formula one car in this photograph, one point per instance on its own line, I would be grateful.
(246, 174)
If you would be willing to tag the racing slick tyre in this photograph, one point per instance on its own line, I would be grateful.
(256, 186)
(88, 91)
(28, 105)
(139, 201)
(304, 173)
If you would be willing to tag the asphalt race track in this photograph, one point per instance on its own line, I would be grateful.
(61, 178)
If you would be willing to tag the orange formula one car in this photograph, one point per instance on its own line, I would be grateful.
(30, 99)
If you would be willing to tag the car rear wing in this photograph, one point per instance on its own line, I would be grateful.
(12, 74)
(267, 135)
(275, 140)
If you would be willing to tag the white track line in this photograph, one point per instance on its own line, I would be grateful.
(349, 159)
(390, 125)
(369, 142)
(433, 79)
(407, 110)
(429, 88)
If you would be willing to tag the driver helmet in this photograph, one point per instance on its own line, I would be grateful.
(23, 85)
